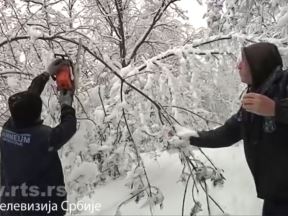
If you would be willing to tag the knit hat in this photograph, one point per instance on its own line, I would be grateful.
(263, 58)
(25, 107)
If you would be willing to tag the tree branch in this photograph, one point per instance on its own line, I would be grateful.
(122, 45)
(156, 18)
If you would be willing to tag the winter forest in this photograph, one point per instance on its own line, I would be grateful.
(144, 70)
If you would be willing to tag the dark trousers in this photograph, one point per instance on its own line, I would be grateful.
(278, 208)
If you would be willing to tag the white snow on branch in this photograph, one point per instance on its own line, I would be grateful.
(184, 132)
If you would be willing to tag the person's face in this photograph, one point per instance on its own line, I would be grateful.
(244, 70)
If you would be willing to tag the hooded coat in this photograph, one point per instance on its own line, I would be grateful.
(265, 138)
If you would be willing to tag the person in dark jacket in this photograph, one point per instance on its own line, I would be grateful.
(262, 123)
(31, 171)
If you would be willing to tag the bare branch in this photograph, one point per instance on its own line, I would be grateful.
(122, 45)
(107, 18)
(156, 18)
(13, 72)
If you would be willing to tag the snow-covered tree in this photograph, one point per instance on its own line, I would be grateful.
(142, 72)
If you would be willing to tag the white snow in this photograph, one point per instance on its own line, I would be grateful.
(283, 20)
(85, 173)
(13, 82)
(34, 33)
(237, 197)
(22, 57)
(184, 132)
(98, 115)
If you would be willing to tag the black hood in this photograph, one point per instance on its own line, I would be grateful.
(263, 58)
(25, 108)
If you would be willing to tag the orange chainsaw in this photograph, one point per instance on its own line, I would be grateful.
(67, 76)
(64, 77)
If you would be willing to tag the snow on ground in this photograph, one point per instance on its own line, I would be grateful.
(236, 197)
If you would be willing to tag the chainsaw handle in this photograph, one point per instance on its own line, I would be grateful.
(63, 56)
(53, 77)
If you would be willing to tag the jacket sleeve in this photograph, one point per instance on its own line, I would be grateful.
(223, 136)
(63, 132)
(281, 111)
(38, 83)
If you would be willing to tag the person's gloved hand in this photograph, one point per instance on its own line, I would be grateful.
(185, 133)
(54, 67)
(181, 138)
(45, 76)
(66, 98)
(38, 83)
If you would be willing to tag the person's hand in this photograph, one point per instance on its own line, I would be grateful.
(185, 133)
(259, 104)
(38, 83)
(176, 142)
(181, 138)
(66, 98)
(45, 76)
(55, 66)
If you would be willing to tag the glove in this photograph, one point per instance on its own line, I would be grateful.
(185, 133)
(181, 139)
(38, 83)
(66, 98)
(54, 67)
(44, 76)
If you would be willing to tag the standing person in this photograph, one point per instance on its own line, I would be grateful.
(31, 170)
(262, 123)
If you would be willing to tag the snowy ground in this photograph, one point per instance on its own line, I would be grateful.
(237, 197)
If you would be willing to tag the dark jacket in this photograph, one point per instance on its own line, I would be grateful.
(265, 139)
(29, 155)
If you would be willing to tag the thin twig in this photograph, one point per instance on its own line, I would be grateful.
(185, 191)
(196, 114)
(211, 198)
